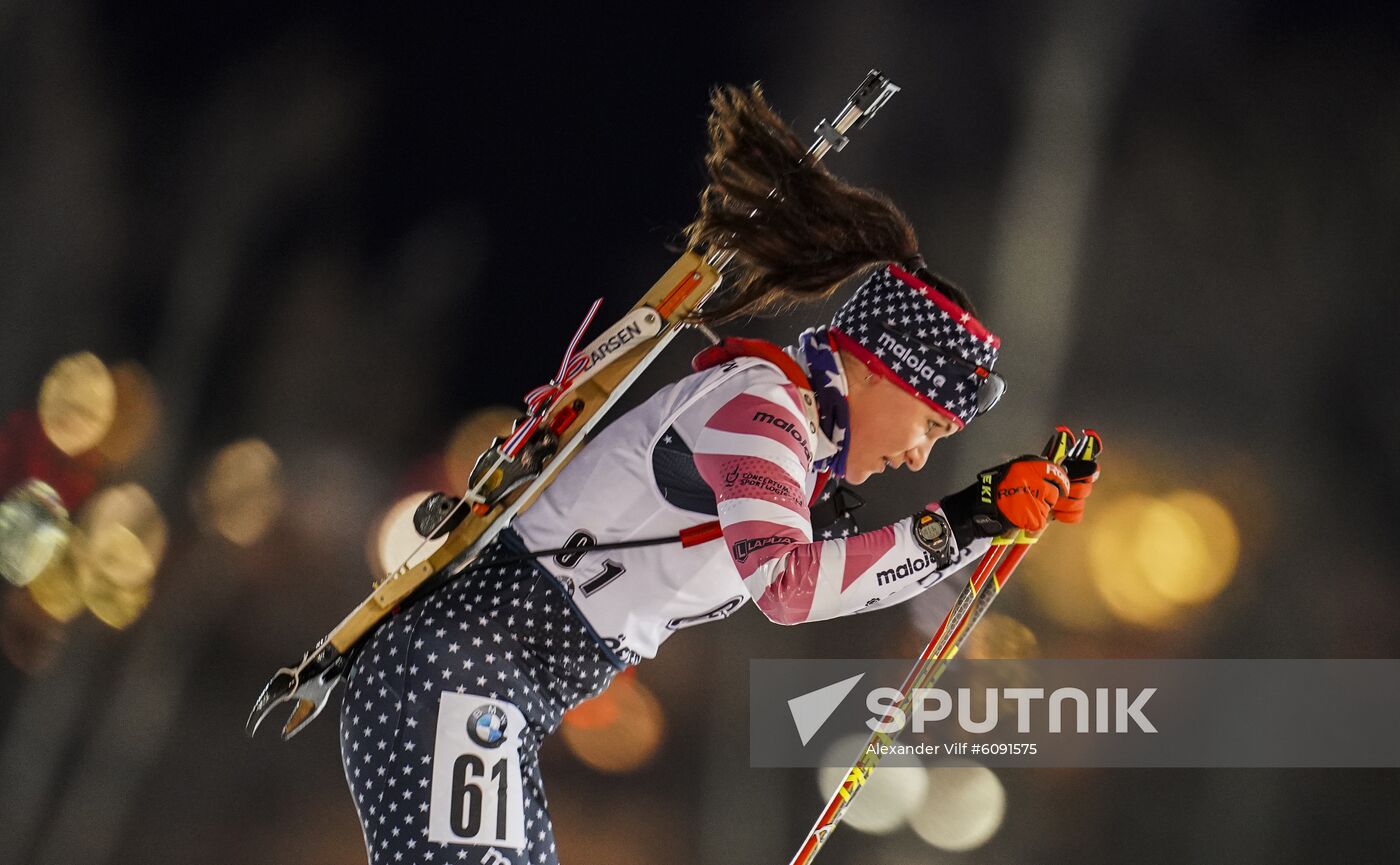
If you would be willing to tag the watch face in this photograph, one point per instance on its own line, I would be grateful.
(931, 532)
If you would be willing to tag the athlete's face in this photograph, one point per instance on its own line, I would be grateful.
(890, 427)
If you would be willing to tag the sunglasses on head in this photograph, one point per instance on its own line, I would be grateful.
(990, 385)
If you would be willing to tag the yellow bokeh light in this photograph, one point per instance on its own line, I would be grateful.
(965, 807)
(472, 437)
(77, 402)
(117, 553)
(1118, 561)
(242, 492)
(620, 734)
(137, 414)
(999, 636)
(1214, 555)
(114, 603)
(1140, 556)
(55, 591)
(1152, 556)
(124, 535)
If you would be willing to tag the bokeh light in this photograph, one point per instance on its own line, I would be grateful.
(893, 792)
(34, 529)
(1000, 637)
(55, 590)
(964, 808)
(241, 496)
(1152, 556)
(618, 731)
(1205, 565)
(137, 414)
(77, 402)
(124, 534)
(472, 437)
(396, 541)
(114, 603)
(1146, 553)
(117, 553)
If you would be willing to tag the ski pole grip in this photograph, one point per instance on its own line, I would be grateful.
(1089, 446)
(1057, 450)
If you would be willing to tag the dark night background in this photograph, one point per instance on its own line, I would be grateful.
(340, 230)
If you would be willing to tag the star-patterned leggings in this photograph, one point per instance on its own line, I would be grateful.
(445, 709)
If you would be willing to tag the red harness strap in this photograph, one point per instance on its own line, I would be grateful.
(729, 348)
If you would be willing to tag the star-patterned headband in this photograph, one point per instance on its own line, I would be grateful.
(914, 335)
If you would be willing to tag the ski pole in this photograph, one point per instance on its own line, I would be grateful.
(962, 617)
(1088, 447)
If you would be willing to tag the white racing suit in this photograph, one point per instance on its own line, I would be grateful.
(450, 698)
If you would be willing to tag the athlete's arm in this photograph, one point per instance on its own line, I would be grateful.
(751, 447)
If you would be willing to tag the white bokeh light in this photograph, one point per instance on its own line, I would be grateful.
(894, 791)
(964, 808)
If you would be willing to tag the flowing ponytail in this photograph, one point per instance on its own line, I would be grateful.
(801, 242)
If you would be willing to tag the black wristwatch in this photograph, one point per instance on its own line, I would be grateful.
(933, 533)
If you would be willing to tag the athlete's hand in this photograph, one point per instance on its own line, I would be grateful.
(1018, 494)
(1082, 474)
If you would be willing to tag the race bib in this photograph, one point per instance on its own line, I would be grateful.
(476, 793)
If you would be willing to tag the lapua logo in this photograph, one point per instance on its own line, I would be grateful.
(744, 548)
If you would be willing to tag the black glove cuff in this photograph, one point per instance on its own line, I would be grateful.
(969, 518)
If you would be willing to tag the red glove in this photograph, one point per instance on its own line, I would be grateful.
(1027, 490)
(1082, 474)
(1016, 494)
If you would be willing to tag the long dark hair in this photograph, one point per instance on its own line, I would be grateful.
(799, 243)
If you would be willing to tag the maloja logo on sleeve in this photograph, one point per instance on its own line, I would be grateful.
(786, 426)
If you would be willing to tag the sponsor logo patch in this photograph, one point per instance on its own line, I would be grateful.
(737, 477)
(910, 357)
(910, 566)
(786, 426)
(614, 343)
(744, 548)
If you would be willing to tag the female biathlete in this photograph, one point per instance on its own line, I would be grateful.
(450, 698)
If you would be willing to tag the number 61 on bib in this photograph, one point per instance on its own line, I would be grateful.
(476, 790)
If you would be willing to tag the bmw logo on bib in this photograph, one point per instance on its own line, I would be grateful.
(487, 726)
